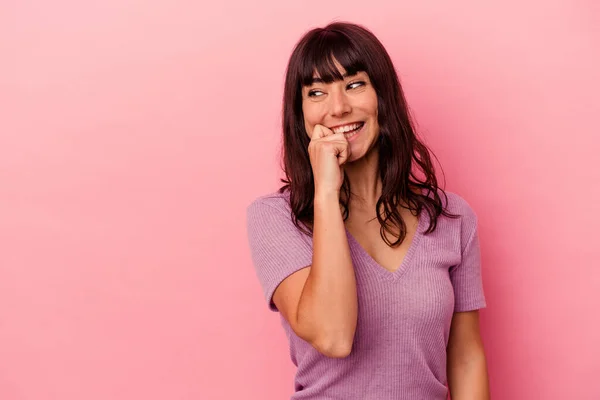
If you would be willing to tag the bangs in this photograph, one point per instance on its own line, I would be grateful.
(320, 54)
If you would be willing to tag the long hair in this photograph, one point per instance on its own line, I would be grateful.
(401, 154)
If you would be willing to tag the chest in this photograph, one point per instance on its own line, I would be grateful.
(367, 233)
(405, 291)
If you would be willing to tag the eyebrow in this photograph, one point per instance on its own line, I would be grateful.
(316, 79)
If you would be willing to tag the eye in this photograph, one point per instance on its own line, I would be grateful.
(356, 84)
(315, 93)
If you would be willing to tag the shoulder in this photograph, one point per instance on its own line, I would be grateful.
(270, 202)
(270, 211)
(459, 205)
(467, 219)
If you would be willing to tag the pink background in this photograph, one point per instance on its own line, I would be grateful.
(134, 134)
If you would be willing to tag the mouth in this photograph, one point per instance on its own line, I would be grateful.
(349, 130)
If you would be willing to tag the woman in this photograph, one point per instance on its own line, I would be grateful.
(374, 269)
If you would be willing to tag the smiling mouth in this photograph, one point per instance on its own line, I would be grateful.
(349, 130)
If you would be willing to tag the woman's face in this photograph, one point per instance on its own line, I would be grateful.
(348, 106)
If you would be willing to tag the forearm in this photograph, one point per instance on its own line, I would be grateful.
(468, 377)
(328, 306)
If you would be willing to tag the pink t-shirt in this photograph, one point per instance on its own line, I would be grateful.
(399, 349)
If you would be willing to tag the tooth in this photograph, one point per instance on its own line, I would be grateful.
(346, 128)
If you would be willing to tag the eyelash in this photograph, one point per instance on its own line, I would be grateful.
(312, 92)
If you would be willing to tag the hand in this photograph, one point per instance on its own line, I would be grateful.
(328, 151)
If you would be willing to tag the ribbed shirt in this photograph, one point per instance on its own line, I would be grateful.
(404, 316)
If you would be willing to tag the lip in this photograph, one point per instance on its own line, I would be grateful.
(357, 133)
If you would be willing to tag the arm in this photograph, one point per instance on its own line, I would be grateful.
(320, 302)
(466, 366)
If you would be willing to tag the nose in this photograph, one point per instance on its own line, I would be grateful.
(339, 104)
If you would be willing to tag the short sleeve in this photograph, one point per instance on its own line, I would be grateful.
(466, 277)
(278, 248)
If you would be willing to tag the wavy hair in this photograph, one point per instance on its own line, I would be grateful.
(401, 154)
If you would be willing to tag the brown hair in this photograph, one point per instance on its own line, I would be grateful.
(401, 153)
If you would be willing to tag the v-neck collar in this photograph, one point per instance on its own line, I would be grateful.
(406, 261)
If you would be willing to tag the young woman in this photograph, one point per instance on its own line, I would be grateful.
(374, 269)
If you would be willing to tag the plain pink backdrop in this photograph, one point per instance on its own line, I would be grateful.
(134, 133)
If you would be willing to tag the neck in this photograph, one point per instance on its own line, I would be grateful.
(365, 182)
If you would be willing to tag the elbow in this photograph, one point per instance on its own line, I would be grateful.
(339, 351)
(334, 349)
(331, 342)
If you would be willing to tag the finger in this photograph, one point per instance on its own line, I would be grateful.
(340, 145)
(344, 153)
(320, 131)
(335, 137)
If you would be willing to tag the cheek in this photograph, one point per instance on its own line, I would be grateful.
(374, 107)
(368, 105)
(312, 117)
(308, 128)
(311, 114)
